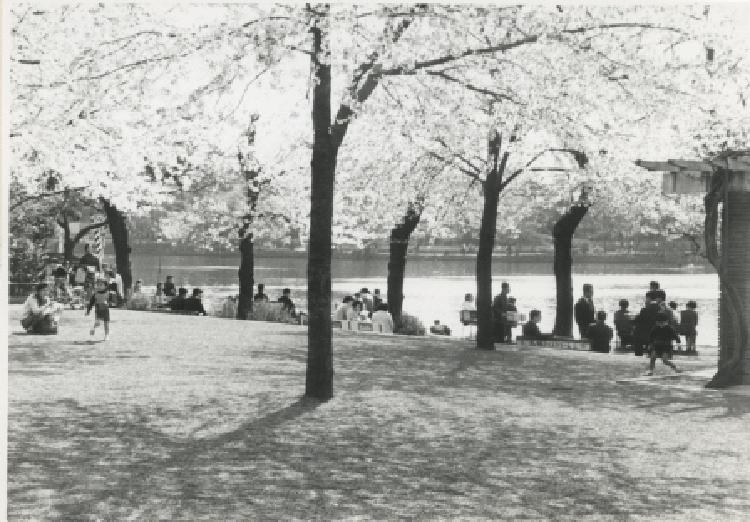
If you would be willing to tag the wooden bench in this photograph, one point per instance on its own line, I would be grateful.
(559, 343)
(358, 326)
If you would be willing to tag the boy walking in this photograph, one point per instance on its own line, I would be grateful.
(661, 338)
(100, 302)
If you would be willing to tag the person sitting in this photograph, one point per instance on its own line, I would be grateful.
(342, 311)
(531, 328)
(584, 310)
(382, 320)
(377, 299)
(367, 301)
(178, 303)
(439, 329)
(260, 296)
(39, 315)
(169, 289)
(286, 302)
(357, 312)
(600, 334)
(194, 303)
(624, 324)
(138, 287)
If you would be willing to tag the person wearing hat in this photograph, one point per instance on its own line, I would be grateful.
(584, 310)
(661, 338)
(377, 299)
(194, 303)
(286, 302)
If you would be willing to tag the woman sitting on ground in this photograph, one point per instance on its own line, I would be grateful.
(39, 315)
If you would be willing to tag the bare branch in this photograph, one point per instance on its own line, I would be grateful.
(42, 195)
(81, 233)
(530, 39)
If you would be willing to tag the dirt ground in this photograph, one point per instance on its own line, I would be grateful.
(197, 418)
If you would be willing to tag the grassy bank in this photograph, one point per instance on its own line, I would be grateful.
(200, 418)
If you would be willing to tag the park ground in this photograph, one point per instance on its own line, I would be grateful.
(195, 418)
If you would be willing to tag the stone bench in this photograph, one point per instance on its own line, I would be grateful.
(559, 343)
(358, 326)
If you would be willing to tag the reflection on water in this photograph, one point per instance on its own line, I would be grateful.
(434, 288)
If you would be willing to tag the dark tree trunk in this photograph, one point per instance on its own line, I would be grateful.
(399, 245)
(319, 378)
(68, 243)
(562, 235)
(118, 229)
(487, 230)
(246, 273)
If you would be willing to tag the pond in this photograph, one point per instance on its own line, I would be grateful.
(434, 288)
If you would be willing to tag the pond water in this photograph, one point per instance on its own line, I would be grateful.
(434, 288)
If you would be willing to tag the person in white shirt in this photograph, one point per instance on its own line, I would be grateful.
(38, 312)
(382, 320)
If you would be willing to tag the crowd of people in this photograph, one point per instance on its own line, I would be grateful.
(653, 330)
(365, 307)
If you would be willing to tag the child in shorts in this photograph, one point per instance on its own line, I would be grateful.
(100, 302)
(660, 338)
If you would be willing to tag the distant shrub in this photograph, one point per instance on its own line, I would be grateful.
(409, 325)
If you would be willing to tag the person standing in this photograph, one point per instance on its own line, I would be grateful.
(644, 323)
(688, 323)
(367, 301)
(169, 288)
(499, 307)
(624, 324)
(584, 310)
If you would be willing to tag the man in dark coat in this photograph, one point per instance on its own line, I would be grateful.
(178, 303)
(194, 304)
(499, 307)
(584, 310)
(600, 334)
(644, 323)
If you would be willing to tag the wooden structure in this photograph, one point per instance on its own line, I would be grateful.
(725, 179)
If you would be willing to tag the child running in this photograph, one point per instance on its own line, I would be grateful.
(100, 302)
(661, 338)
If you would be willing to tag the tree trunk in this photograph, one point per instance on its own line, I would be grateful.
(399, 245)
(487, 230)
(118, 229)
(562, 235)
(246, 274)
(68, 242)
(319, 377)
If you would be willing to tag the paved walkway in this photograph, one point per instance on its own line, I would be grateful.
(195, 418)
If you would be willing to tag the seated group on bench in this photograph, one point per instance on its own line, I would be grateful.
(598, 334)
(185, 304)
